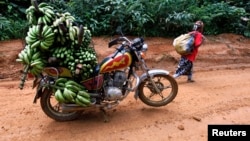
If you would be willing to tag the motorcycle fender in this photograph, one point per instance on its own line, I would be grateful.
(151, 73)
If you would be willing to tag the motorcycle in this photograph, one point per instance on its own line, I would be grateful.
(112, 80)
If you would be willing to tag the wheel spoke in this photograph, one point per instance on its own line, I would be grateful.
(161, 93)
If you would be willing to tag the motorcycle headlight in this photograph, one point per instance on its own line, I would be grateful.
(144, 48)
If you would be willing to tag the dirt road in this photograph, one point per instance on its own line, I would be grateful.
(220, 95)
(217, 97)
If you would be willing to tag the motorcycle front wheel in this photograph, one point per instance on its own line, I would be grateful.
(167, 86)
(51, 107)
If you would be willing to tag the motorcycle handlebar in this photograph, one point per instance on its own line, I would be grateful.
(117, 40)
(119, 49)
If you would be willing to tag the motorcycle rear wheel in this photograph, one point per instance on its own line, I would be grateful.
(167, 86)
(52, 109)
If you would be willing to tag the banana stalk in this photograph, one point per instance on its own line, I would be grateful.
(24, 76)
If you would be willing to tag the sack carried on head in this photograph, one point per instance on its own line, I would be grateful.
(183, 44)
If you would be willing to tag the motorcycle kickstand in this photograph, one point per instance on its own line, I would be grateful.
(105, 116)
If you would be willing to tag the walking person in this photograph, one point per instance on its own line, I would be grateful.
(185, 66)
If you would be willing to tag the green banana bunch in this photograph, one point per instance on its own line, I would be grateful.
(72, 92)
(25, 55)
(33, 59)
(62, 23)
(37, 64)
(60, 82)
(48, 14)
(40, 36)
(59, 96)
(48, 37)
(40, 14)
(30, 15)
(57, 35)
(82, 98)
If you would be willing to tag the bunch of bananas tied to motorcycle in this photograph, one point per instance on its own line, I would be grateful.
(68, 91)
(75, 57)
(55, 34)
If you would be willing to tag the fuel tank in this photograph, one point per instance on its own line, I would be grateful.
(120, 61)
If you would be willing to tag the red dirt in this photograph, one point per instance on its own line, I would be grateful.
(220, 95)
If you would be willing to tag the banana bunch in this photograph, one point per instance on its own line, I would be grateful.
(64, 54)
(40, 14)
(86, 37)
(86, 57)
(62, 23)
(54, 34)
(25, 55)
(33, 59)
(64, 18)
(70, 57)
(40, 36)
(71, 91)
(48, 14)
(30, 15)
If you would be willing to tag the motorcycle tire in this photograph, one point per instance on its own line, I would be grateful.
(167, 86)
(51, 108)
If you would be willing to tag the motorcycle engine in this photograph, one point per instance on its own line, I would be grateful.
(113, 89)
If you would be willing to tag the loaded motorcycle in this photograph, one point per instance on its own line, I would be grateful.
(112, 80)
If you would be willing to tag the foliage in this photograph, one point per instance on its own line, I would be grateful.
(220, 15)
(12, 29)
(138, 17)
(12, 25)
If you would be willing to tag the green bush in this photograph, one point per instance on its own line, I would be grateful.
(136, 17)
(220, 18)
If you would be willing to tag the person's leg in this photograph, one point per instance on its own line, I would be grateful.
(190, 74)
(183, 67)
(179, 67)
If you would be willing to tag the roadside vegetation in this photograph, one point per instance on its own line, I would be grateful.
(164, 18)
